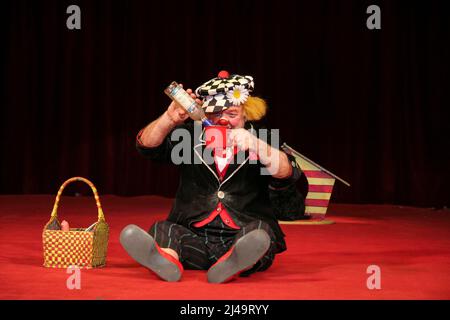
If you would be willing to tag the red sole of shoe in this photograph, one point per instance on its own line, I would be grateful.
(142, 247)
(248, 250)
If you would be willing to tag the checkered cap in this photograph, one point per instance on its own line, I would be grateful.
(214, 91)
(216, 103)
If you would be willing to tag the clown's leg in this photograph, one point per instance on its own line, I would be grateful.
(143, 248)
(246, 252)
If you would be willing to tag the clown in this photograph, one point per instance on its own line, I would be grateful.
(221, 220)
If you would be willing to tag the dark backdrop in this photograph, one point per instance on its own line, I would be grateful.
(369, 105)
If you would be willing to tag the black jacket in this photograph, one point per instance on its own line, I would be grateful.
(244, 191)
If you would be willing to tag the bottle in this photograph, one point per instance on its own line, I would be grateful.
(184, 99)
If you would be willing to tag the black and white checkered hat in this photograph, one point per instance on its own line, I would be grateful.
(215, 92)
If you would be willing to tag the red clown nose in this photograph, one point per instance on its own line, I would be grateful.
(223, 122)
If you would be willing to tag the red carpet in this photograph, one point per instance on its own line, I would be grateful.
(410, 245)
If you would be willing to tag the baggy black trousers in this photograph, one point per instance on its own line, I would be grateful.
(200, 248)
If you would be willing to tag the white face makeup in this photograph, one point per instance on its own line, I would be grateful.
(234, 115)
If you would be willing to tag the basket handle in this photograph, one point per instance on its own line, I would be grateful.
(101, 216)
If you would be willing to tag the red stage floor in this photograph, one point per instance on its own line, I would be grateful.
(410, 245)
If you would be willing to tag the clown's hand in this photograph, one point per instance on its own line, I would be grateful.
(243, 139)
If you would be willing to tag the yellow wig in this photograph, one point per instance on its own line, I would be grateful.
(254, 108)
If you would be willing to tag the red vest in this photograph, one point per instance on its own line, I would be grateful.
(220, 209)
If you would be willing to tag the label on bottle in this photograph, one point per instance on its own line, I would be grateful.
(192, 107)
(184, 99)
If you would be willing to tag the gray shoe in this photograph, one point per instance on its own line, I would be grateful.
(246, 252)
(142, 247)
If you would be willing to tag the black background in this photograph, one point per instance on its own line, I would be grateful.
(368, 105)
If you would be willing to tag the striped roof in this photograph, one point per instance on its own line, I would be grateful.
(289, 150)
(320, 183)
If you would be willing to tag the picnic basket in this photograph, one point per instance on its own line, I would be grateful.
(80, 247)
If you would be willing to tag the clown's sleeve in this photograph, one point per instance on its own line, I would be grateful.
(161, 153)
(276, 183)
